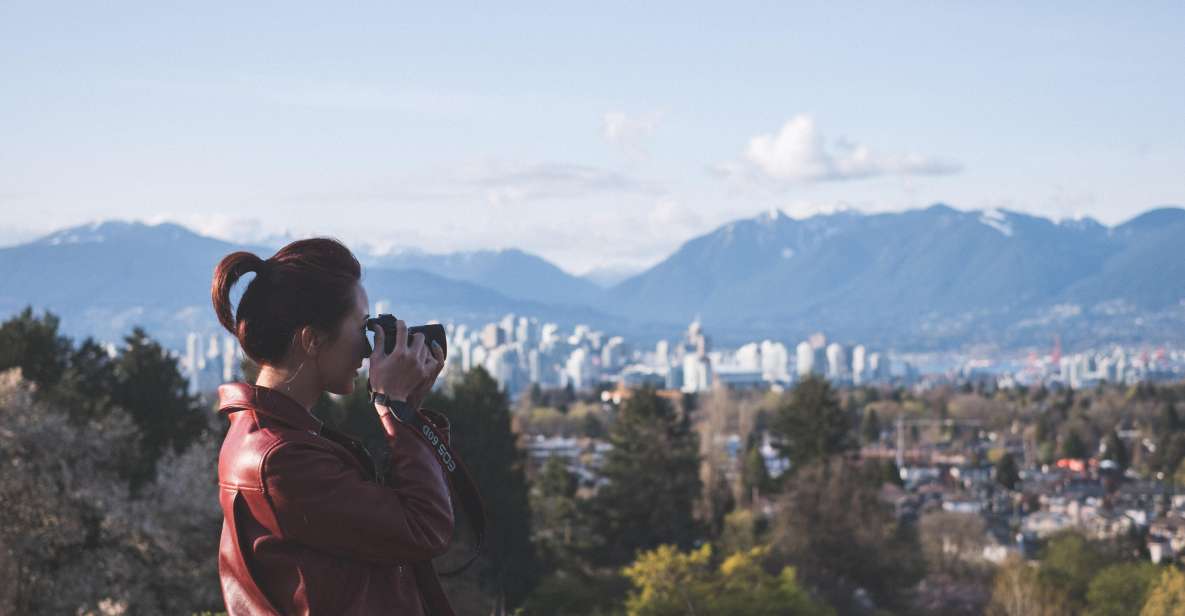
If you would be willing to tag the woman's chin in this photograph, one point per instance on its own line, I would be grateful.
(344, 388)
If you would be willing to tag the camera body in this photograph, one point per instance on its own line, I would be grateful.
(432, 333)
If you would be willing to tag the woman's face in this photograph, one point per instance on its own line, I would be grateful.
(341, 359)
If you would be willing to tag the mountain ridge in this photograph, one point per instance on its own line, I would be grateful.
(935, 277)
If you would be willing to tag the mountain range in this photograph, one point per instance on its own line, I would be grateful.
(933, 278)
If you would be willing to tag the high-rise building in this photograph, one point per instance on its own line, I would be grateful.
(578, 370)
(492, 336)
(805, 358)
(749, 357)
(613, 354)
(837, 362)
(859, 364)
(697, 373)
(662, 354)
(230, 364)
(775, 362)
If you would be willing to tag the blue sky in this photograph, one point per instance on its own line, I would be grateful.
(594, 136)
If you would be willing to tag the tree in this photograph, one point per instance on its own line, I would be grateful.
(1017, 592)
(152, 390)
(554, 513)
(1068, 563)
(87, 383)
(668, 582)
(1074, 447)
(1115, 450)
(1118, 589)
(871, 428)
(651, 481)
(834, 527)
(1007, 473)
(755, 477)
(1167, 596)
(811, 425)
(952, 543)
(68, 515)
(34, 345)
(479, 414)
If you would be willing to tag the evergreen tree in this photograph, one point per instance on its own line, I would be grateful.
(86, 385)
(33, 344)
(1007, 473)
(871, 428)
(479, 415)
(754, 474)
(1074, 447)
(1116, 451)
(811, 425)
(554, 513)
(152, 390)
(834, 527)
(651, 483)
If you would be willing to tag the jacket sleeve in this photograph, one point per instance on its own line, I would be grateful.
(325, 503)
(404, 467)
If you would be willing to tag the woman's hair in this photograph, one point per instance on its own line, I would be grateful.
(308, 282)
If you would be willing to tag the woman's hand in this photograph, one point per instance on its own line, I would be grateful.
(408, 372)
(416, 398)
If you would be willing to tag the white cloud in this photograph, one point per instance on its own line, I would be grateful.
(507, 184)
(629, 132)
(799, 153)
(669, 213)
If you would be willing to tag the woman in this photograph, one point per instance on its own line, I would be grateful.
(307, 528)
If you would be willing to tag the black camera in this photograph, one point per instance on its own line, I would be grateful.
(432, 333)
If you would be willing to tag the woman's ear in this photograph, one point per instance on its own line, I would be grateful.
(311, 340)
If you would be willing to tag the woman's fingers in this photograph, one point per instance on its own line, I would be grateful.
(380, 347)
(400, 335)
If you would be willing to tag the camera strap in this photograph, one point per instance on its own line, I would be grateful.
(459, 477)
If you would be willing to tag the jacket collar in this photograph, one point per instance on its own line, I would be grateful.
(268, 402)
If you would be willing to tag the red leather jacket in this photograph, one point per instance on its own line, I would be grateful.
(306, 527)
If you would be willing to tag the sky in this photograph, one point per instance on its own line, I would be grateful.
(598, 136)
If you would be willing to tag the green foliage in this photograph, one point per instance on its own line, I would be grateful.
(652, 481)
(1007, 473)
(668, 582)
(68, 515)
(33, 344)
(743, 530)
(755, 479)
(143, 380)
(1115, 450)
(152, 390)
(1116, 590)
(870, 429)
(842, 537)
(481, 435)
(1018, 592)
(1167, 596)
(1068, 563)
(556, 526)
(1074, 447)
(577, 593)
(810, 424)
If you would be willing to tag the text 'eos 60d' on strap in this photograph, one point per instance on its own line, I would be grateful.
(458, 475)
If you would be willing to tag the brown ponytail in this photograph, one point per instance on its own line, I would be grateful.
(308, 282)
(229, 270)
